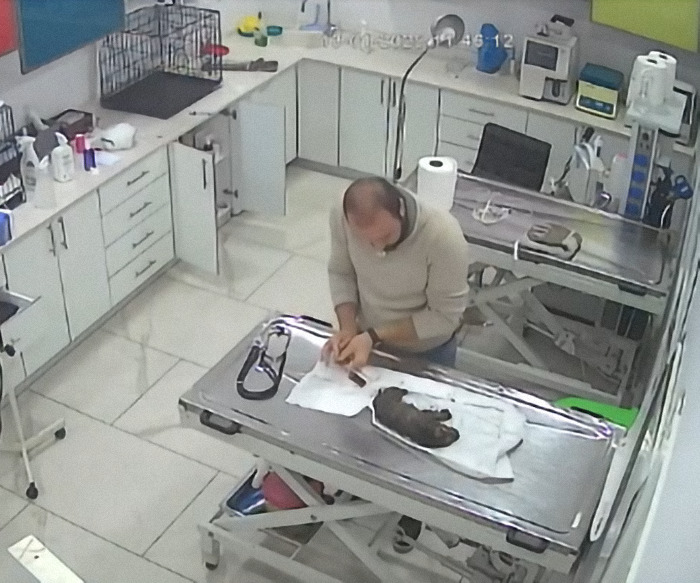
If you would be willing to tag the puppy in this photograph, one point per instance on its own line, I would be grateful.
(424, 428)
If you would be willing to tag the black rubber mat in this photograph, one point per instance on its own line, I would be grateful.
(160, 95)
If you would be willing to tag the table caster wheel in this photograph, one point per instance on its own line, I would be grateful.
(61, 433)
(32, 492)
(211, 566)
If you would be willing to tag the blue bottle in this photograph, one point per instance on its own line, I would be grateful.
(492, 53)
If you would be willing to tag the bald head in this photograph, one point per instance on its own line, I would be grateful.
(372, 208)
(366, 198)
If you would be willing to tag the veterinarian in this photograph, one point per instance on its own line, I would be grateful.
(398, 276)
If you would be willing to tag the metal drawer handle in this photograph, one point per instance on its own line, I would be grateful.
(146, 236)
(151, 263)
(486, 113)
(143, 207)
(139, 177)
(64, 243)
(381, 93)
(53, 241)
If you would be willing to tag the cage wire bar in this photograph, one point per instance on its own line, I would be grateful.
(11, 186)
(162, 61)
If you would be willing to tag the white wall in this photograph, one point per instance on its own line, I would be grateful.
(71, 81)
(599, 44)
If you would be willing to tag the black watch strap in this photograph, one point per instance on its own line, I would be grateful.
(374, 336)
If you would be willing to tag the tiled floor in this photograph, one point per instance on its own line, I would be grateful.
(120, 497)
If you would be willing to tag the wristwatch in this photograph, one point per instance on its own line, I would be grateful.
(374, 336)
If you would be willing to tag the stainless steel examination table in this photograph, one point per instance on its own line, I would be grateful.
(628, 267)
(542, 516)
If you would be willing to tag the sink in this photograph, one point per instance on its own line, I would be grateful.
(291, 37)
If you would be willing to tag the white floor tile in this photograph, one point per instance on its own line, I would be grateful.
(186, 321)
(299, 287)
(104, 375)
(243, 267)
(155, 418)
(179, 548)
(10, 506)
(312, 190)
(104, 480)
(320, 250)
(292, 232)
(91, 558)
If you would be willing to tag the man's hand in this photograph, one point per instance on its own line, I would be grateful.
(336, 344)
(356, 354)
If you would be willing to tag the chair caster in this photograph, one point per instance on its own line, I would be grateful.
(211, 566)
(32, 492)
(61, 433)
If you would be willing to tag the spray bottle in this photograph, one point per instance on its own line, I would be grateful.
(62, 161)
(28, 165)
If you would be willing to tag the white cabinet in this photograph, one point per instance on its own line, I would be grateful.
(420, 129)
(282, 92)
(319, 94)
(364, 118)
(561, 134)
(81, 258)
(369, 106)
(257, 137)
(62, 265)
(462, 121)
(32, 270)
(194, 206)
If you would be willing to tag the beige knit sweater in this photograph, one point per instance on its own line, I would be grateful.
(424, 278)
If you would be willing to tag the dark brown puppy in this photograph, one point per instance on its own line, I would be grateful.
(424, 428)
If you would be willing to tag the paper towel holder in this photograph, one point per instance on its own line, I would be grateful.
(447, 31)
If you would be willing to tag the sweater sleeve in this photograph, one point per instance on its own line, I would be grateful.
(447, 286)
(341, 273)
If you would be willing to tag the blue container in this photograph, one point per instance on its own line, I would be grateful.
(492, 53)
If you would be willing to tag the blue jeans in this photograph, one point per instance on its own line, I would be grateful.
(444, 355)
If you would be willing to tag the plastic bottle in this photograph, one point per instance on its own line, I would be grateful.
(62, 161)
(28, 166)
(45, 197)
(260, 34)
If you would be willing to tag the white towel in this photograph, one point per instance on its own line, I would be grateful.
(489, 427)
(327, 388)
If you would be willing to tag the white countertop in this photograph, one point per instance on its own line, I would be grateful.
(155, 133)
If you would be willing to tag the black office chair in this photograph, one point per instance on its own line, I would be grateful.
(509, 156)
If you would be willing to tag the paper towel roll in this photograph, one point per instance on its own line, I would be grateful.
(652, 81)
(670, 63)
(437, 178)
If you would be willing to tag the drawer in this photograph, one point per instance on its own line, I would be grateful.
(460, 132)
(132, 180)
(142, 236)
(140, 269)
(482, 111)
(465, 155)
(134, 210)
(26, 325)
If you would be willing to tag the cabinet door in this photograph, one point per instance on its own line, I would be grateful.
(83, 264)
(364, 118)
(319, 87)
(420, 133)
(32, 270)
(561, 135)
(194, 206)
(282, 92)
(263, 168)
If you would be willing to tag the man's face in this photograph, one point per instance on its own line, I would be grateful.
(382, 231)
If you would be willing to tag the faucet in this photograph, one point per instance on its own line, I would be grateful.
(330, 28)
